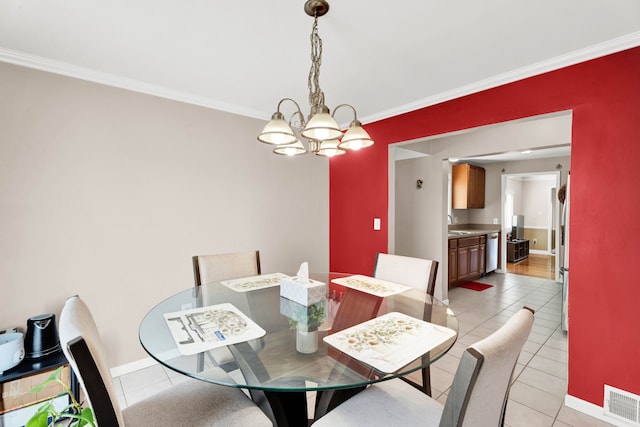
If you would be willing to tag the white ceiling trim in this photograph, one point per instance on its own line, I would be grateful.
(69, 70)
(601, 49)
(88, 74)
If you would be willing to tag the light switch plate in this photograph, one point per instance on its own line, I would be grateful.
(376, 223)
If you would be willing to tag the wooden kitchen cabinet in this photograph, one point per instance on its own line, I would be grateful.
(453, 260)
(463, 263)
(467, 191)
(466, 259)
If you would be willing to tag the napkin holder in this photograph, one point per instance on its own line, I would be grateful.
(303, 293)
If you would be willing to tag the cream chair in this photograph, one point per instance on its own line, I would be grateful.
(477, 397)
(417, 273)
(213, 268)
(189, 403)
(217, 267)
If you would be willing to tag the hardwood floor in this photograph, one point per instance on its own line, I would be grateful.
(535, 265)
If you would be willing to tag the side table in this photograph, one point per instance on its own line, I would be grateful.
(47, 363)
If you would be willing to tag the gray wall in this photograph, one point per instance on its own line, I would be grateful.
(107, 194)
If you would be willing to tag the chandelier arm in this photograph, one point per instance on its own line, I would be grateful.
(301, 124)
(289, 99)
(355, 114)
(298, 113)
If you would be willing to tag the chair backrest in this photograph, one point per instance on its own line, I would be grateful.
(480, 389)
(81, 344)
(212, 268)
(417, 273)
(356, 307)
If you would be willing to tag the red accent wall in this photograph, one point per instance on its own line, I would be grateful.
(604, 302)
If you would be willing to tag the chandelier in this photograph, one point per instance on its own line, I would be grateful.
(320, 129)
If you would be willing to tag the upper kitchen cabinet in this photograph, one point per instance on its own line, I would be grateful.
(467, 187)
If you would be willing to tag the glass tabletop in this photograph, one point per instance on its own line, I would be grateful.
(277, 358)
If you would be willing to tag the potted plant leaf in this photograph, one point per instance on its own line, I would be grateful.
(305, 320)
(71, 415)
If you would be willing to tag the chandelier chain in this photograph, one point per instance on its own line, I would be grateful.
(316, 97)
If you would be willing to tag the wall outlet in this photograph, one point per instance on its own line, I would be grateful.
(535, 241)
(495, 220)
(376, 224)
(455, 219)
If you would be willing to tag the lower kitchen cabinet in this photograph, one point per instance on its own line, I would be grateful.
(466, 259)
(453, 260)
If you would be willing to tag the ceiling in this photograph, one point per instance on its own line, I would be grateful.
(243, 57)
(510, 156)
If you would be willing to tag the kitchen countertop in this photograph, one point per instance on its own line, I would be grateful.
(460, 232)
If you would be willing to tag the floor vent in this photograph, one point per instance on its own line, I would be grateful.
(622, 405)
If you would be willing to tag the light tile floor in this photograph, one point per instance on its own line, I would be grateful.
(540, 378)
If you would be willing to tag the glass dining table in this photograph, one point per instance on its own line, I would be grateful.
(363, 337)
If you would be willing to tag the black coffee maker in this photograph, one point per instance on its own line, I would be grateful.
(42, 336)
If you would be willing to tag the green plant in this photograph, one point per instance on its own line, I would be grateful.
(312, 316)
(47, 415)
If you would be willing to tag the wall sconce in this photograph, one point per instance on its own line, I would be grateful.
(419, 184)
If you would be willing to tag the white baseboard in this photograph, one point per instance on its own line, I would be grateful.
(592, 410)
(127, 368)
(539, 252)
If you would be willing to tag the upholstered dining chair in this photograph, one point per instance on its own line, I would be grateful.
(417, 273)
(477, 397)
(225, 266)
(189, 403)
(211, 268)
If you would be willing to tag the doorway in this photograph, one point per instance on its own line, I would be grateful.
(532, 197)
(418, 217)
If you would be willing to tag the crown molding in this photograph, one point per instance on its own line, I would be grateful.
(88, 74)
(592, 52)
(62, 68)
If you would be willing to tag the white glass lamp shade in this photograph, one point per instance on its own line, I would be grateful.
(356, 137)
(322, 127)
(330, 149)
(291, 149)
(277, 132)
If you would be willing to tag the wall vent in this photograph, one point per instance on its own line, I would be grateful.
(622, 405)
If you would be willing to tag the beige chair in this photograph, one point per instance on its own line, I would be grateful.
(213, 268)
(417, 273)
(477, 397)
(189, 403)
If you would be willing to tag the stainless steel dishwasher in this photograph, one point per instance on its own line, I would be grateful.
(492, 252)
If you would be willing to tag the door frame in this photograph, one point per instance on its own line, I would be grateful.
(556, 212)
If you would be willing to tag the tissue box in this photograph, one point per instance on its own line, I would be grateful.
(303, 293)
